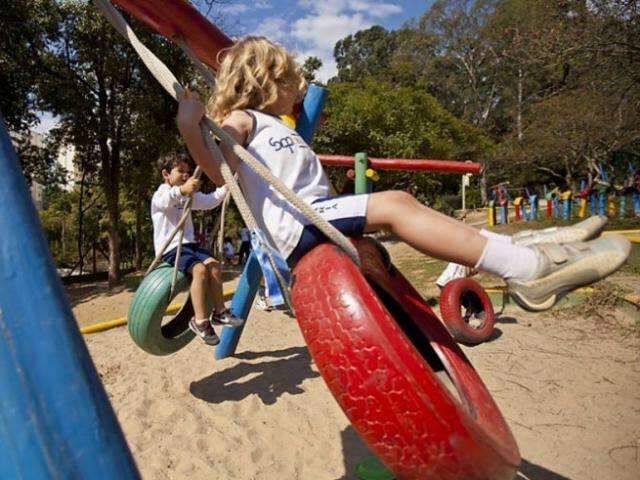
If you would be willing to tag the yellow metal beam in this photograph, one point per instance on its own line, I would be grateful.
(117, 322)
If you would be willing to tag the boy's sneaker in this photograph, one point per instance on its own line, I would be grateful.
(226, 319)
(579, 232)
(205, 331)
(563, 268)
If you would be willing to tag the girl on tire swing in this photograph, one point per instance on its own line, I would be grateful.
(259, 81)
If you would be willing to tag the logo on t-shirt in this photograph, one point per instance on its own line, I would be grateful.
(287, 142)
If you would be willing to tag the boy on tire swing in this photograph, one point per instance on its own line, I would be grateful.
(167, 206)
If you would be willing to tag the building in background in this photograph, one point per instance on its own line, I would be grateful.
(64, 159)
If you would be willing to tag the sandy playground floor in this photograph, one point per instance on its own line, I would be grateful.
(568, 385)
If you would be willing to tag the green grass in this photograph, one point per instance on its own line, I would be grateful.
(633, 264)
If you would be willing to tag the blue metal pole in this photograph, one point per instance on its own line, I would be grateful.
(240, 306)
(311, 110)
(55, 418)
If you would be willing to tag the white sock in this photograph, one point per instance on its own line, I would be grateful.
(496, 236)
(507, 260)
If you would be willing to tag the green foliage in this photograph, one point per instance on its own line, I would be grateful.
(310, 67)
(397, 122)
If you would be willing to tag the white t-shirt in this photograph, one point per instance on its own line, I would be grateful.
(228, 250)
(289, 158)
(167, 206)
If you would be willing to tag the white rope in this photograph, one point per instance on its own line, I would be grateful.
(168, 81)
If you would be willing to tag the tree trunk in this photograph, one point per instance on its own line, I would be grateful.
(81, 218)
(519, 105)
(138, 240)
(64, 250)
(483, 187)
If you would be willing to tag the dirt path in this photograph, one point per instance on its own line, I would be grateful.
(569, 386)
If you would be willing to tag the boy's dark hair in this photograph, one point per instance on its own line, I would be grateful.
(173, 159)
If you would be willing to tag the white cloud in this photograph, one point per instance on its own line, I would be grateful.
(262, 4)
(234, 9)
(375, 9)
(274, 28)
(325, 22)
(240, 8)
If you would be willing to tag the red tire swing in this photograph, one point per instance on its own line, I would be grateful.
(400, 378)
(467, 311)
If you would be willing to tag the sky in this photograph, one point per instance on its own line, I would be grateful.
(305, 27)
(312, 27)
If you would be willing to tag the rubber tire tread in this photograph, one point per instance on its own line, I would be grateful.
(385, 385)
(147, 310)
(451, 311)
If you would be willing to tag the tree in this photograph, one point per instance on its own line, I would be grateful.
(386, 121)
(25, 27)
(364, 54)
(95, 86)
(310, 67)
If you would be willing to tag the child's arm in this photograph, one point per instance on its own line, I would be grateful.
(237, 125)
(208, 201)
(165, 198)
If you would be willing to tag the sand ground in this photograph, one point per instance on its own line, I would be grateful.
(568, 385)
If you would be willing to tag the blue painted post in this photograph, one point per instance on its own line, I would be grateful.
(240, 306)
(602, 202)
(311, 110)
(533, 209)
(56, 419)
(635, 197)
(593, 203)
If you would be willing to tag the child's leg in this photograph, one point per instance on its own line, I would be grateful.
(220, 315)
(536, 275)
(214, 273)
(199, 286)
(426, 230)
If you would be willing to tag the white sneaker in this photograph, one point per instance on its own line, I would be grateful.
(262, 304)
(453, 271)
(563, 268)
(579, 232)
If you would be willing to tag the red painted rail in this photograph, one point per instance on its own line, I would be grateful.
(178, 18)
(450, 166)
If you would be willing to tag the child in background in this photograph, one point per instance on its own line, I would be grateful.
(167, 206)
(259, 81)
(228, 252)
(245, 245)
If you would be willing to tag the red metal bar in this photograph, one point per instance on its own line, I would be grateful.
(450, 166)
(178, 18)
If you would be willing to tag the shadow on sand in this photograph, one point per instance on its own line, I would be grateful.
(267, 379)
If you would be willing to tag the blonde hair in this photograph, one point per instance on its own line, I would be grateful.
(249, 76)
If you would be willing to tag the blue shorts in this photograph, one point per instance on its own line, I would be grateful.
(190, 254)
(347, 213)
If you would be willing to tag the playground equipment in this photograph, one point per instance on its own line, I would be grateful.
(406, 386)
(498, 210)
(566, 197)
(56, 419)
(388, 361)
(467, 311)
